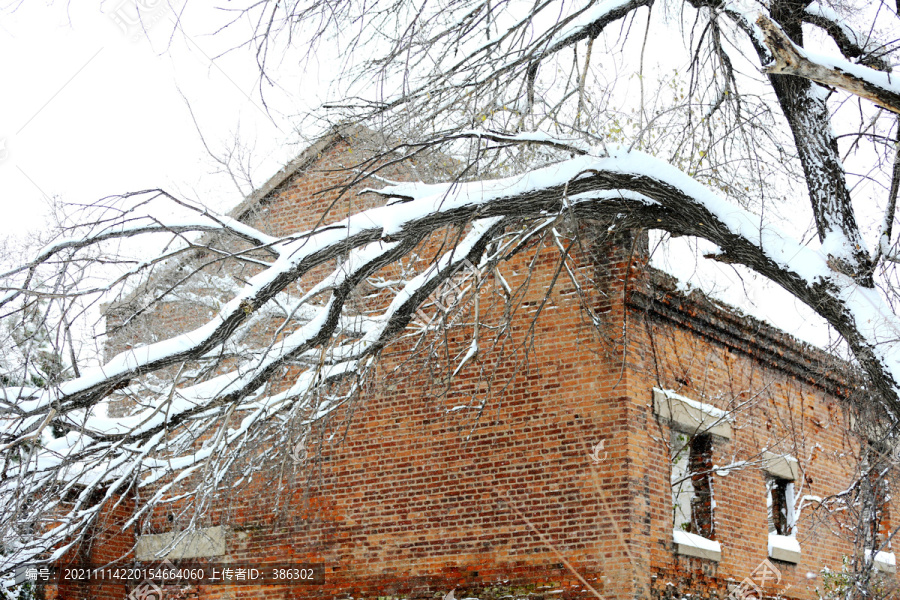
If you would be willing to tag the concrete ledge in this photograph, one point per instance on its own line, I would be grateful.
(885, 562)
(689, 544)
(784, 547)
(690, 415)
(781, 466)
(196, 544)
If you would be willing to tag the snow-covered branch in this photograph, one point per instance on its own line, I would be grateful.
(852, 43)
(251, 339)
(651, 192)
(865, 82)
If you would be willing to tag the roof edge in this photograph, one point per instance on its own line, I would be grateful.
(303, 160)
(730, 327)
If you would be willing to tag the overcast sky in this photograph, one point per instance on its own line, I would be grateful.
(93, 105)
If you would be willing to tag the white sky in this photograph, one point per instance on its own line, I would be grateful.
(93, 105)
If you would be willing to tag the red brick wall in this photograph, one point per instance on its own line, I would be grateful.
(415, 498)
(411, 496)
(772, 410)
(108, 542)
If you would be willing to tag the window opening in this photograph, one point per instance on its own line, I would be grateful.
(692, 483)
(780, 505)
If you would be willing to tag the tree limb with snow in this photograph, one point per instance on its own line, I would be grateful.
(541, 128)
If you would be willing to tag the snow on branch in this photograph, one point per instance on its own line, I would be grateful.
(333, 345)
(125, 226)
(852, 43)
(790, 59)
(592, 186)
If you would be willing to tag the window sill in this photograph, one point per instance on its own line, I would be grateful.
(690, 544)
(784, 548)
(885, 562)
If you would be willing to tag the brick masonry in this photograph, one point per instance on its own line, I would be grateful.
(543, 457)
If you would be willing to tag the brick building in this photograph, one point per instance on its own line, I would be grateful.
(667, 447)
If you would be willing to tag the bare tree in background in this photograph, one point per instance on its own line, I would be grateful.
(553, 117)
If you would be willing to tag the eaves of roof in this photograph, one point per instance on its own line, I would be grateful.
(312, 153)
